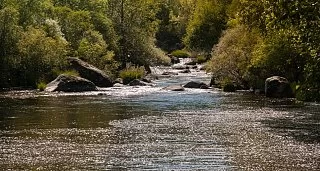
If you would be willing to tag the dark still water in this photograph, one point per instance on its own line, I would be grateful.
(153, 129)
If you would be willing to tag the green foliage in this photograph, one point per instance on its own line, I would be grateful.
(276, 56)
(69, 72)
(232, 55)
(40, 54)
(41, 86)
(207, 23)
(180, 54)
(200, 59)
(172, 25)
(131, 73)
(227, 85)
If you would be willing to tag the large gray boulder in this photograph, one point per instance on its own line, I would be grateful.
(89, 72)
(195, 84)
(278, 87)
(69, 83)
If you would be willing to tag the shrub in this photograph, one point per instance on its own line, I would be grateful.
(276, 55)
(41, 86)
(228, 86)
(131, 73)
(201, 59)
(232, 55)
(180, 54)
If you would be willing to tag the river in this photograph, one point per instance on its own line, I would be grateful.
(148, 128)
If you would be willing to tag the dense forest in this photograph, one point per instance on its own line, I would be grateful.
(246, 41)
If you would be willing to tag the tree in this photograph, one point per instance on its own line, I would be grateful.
(232, 55)
(40, 56)
(206, 25)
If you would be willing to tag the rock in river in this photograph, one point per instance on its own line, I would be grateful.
(278, 87)
(174, 88)
(69, 83)
(87, 71)
(137, 82)
(195, 84)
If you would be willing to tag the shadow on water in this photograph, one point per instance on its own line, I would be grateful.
(301, 123)
(298, 120)
(64, 112)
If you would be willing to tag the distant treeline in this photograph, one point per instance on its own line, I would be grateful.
(247, 40)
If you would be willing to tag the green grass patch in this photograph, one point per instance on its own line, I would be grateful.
(41, 86)
(70, 73)
(180, 54)
(131, 73)
(201, 59)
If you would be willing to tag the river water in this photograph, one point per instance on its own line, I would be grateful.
(148, 128)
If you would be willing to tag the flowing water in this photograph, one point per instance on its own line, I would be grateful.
(148, 128)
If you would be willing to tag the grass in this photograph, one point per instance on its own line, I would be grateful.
(41, 86)
(70, 73)
(180, 54)
(131, 73)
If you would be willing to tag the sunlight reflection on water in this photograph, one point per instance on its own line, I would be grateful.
(148, 128)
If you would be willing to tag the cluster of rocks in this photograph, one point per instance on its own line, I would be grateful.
(191, 84)
(89, 79)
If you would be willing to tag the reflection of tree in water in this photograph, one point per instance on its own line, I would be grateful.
(302, 124)
(64, 112)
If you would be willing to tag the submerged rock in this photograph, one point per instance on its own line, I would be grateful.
(137, 82)
(89, 72)
(185, 71)
(69, 83)
(174, 88)
(174, 60)
(169, 73)
(180, 67)
(195, 84)
(278, 87)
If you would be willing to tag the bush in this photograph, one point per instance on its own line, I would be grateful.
(131, 73)
(180, 54)
(201, 59)
(228, 86)
(232, 55)
(276, 55)
(41, 86)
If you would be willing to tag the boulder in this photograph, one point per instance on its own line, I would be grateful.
(170, 73)
(204, 86)
(146, 79)
(278, 87)
(174, 60)
(194, 84)
(180, 67)
(202, 68)
(87, 71)
(193, 66)
(229, 87)
(118, 80)
(191, 63)
(137, 82)
(174, 88)
(185, 71)
(119, 85)
(69, 83)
